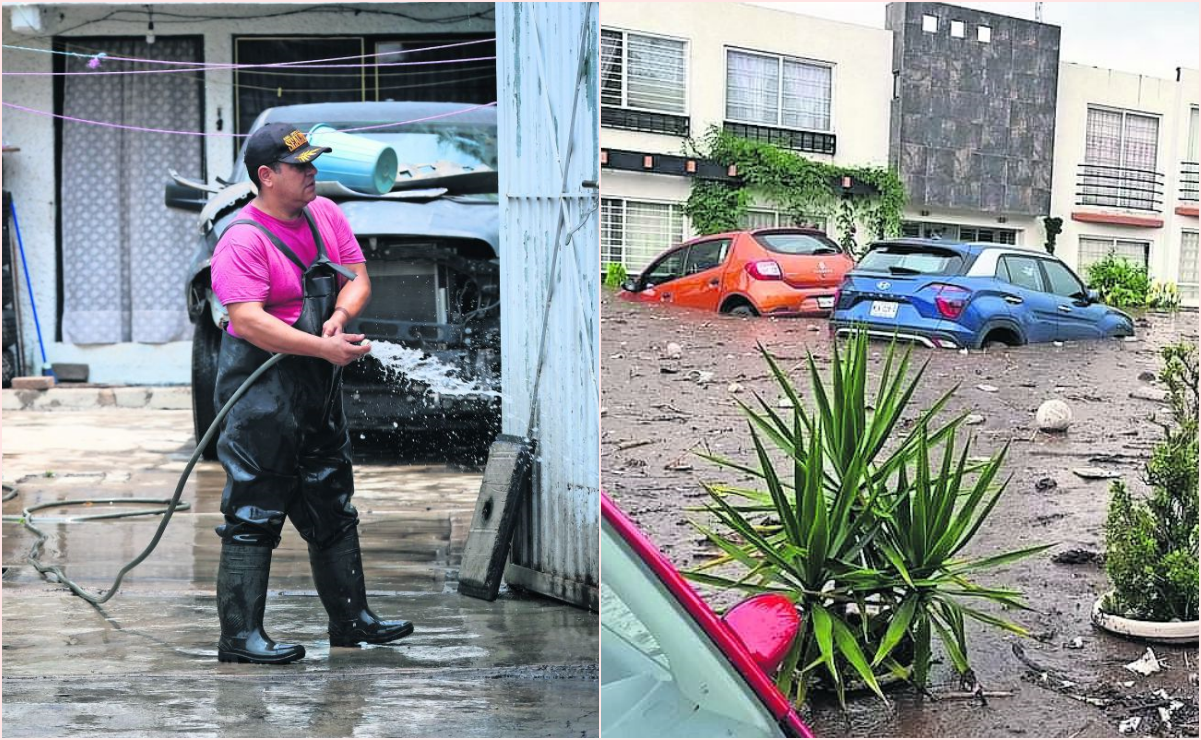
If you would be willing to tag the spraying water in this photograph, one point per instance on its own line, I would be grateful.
(399, 362)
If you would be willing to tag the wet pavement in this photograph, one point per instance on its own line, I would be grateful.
(657, 409)
(144, 664)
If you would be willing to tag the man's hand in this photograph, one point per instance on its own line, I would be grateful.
(340, 349)
(336, 323)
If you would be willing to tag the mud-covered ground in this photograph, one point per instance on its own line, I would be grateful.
(658, 409)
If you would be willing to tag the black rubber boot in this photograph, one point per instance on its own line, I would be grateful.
(338, 573)
(241, 600)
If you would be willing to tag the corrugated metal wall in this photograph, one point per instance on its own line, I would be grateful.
(547, 62)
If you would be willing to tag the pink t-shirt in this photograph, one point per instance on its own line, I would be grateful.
(247, 267)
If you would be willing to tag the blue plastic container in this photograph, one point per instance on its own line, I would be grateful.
(357, 162)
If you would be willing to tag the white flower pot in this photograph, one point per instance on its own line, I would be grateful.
(1176, 633)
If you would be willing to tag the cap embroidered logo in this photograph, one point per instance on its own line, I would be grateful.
(295, 140)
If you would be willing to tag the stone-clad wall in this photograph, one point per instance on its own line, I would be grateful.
(973, 123)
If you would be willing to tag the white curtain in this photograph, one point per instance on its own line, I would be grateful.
(125, 254)
(806, 103)
(752, 88)
(656, 76)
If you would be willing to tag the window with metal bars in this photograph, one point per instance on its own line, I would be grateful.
(773, 90)
(1094, 249)
(1186, 279)
(1121, 150)
(643, 72)
(634, 232)
(986, 234)
(759, 218)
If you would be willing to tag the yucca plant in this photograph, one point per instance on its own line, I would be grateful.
(865, 542)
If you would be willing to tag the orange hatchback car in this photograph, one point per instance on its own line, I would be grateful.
(764, 272)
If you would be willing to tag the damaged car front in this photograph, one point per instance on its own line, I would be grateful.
(432, 251)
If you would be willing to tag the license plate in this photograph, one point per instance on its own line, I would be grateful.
(884, 309)
(825, 301)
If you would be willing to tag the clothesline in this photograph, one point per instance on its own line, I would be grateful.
(252, 66)
(222, 65)
(107, 124)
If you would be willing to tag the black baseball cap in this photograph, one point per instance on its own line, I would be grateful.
(280, 142)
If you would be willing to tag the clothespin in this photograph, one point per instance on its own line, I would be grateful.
(94, 62)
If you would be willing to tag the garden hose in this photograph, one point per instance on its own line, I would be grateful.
(55, 573)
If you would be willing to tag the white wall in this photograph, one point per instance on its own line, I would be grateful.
(1081, 86)
(29, 173)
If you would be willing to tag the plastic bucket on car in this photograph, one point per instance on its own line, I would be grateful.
(357, 162)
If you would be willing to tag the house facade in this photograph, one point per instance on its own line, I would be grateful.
(670, 71)
(106, 259)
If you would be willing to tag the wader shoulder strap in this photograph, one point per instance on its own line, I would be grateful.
(322, 257)
(274, 240)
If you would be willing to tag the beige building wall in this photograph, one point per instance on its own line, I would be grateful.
(1171, 223)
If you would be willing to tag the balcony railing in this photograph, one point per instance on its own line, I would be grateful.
(1119, 187)
(646, 122)
(1188, 181)
(801, 141)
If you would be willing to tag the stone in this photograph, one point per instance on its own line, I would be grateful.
(1149, 394)
(973, 419)
(1094, 473)
(1053, 415)
(33, 383)
(1146, 377)
(988, 388)
(674, 351)
(734, 387)
(1045, 484)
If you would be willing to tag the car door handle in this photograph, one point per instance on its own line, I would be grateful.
(714, 283)
(1065, 309)
(1013, 299)
(665, 296)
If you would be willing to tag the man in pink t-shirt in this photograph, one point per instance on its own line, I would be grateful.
(292, 276)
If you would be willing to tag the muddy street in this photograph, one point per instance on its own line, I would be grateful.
(145, 665)
(660, 405)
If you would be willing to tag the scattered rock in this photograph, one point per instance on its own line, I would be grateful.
(669, 369)
(1145, 665)
(814, 327)
(679, 467)
(734, 387)
(1094, 473)
(1147, 376)
(988, 388)
(1130, 339)
(674, 351)
(1045, 483)
(1076, 556)
(1149, 394)
(701, 376)
(1053, 415)
(1076, 644)
(784, 402)
(1129, 726)
(973, 419)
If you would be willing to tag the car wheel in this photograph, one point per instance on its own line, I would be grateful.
(996, 344)
(10, 367)
(742, 310)
(206, 348)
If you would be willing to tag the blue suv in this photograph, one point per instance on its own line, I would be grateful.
(945, 294)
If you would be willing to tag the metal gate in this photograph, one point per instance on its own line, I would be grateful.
(548, 125)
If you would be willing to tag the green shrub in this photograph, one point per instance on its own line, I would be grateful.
(1163, 296)
(1121, 283)
(860, 520)
(615, 275)
(1151, 546)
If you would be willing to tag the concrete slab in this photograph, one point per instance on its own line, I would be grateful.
(145, 664)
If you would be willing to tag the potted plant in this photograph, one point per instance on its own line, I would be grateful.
(1151, 545)
(868, 544)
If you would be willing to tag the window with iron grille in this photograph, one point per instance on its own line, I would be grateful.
(635, 232)
(986, 234)
(1093, 249)
(772, 90)
(643, 72)
(1121, 150)
(1186, 280)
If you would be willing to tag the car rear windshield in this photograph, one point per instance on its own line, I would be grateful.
(917, 260)
(793, 243)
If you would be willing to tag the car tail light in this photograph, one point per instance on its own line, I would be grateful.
(950, 299)
(765, 270)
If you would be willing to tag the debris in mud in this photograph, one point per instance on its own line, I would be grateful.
(1145, 665)
(814, 327)
(1045, 519)
(1128, 726)
(784, 402)
(1147, 376)
(1076, 556)
(973, 419)
(1095, 473)
(1045, 484)
(674, 351)
(1077, 643)
(734, 387)
(700, 377)
(669, 369)
(634, 443)
(988, 388)
(1149, 394)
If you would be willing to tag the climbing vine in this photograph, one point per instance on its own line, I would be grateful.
(799, 187)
